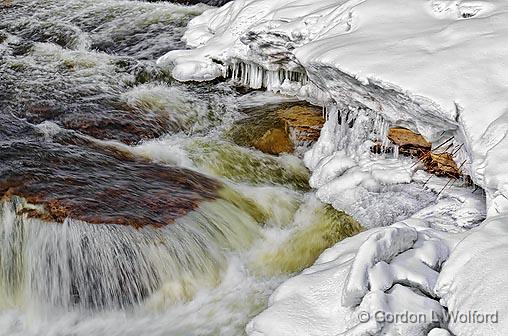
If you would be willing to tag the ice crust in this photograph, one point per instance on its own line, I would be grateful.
(437, 67)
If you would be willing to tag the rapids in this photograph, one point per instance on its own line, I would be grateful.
(126, 209)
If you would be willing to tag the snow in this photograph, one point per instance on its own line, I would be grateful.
(439, 332)
(368, 271)
(437, 67)
(380, 246)
(474, 278)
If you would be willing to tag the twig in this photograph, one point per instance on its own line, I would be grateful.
(463, 162)
(456, 150)
(439, 193)
(431, 176)
(444, 143)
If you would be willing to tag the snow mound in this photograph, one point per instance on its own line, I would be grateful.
(381, 246)
(474, 277)
(380, 274)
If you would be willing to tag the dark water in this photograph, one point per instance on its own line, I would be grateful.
(89, 125)
(86, 68)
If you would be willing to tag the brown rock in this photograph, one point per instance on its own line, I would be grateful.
(414, 144)
(306, 120)
(99, 185)
(441, 164)
(275, 141)
(267, 128)
(409, 142)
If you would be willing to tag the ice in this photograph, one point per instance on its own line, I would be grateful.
(330, 167)
(437, 67)
(346, 50)
(380, 246)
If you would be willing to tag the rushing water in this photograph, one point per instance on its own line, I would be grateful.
(126, 209)
(153, 223)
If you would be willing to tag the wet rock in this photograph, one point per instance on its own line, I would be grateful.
(274, 124)
(275, 141)
(99, 185)
(129, 130)
(120, 123)
(409, 142)
(306, 120)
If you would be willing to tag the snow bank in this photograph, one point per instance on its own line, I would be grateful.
(474, 279)
(352, 271)
(437, 67)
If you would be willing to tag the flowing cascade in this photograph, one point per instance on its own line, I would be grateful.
(93, 266)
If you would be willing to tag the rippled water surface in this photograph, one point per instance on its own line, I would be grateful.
(125, 209)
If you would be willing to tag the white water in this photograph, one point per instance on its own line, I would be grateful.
(204, 274)
(194, 277)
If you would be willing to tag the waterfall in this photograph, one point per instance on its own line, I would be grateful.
(76, 265)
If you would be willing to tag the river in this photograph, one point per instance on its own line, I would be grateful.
(127, 210)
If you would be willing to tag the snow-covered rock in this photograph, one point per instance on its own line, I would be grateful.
(371, 274)
(382, 246)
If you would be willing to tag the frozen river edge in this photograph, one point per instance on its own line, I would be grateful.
(433, 66)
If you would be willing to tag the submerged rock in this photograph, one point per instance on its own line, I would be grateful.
(276, 129)
(99, 185)
(260, 121)
(306, 120)
(275, 141)
(301, 249)
(238, 164)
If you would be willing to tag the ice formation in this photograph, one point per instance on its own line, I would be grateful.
(432, 65)
(370, 273)
(437, 67)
